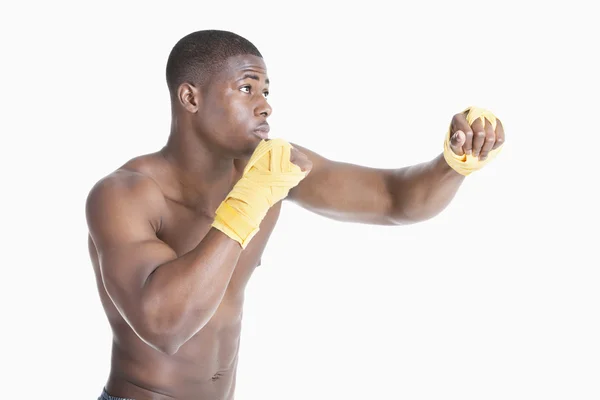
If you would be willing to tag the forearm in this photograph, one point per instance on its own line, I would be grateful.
(422, 191)
(182, 295)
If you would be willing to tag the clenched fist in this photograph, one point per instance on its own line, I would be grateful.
(477, 139)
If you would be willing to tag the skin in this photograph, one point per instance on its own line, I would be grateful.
(171, 285)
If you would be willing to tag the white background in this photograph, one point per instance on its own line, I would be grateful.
(495, 298)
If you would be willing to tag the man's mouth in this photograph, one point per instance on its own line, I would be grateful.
(262, 131)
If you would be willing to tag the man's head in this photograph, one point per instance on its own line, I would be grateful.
(218, 85)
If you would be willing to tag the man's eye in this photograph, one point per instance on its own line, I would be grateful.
(266, 94)
(245, 89)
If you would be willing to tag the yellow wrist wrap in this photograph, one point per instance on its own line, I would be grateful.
(267, 178)
(467, 163)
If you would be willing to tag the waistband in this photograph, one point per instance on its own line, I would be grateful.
(106, 396)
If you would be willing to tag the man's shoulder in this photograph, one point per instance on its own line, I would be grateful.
(128, 182)
(132, 180)
(125, 188)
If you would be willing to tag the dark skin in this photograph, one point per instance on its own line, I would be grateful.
(171, 285)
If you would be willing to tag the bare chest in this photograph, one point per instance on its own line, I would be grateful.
(183, 229)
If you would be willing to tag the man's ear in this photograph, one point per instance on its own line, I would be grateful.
(189, 97)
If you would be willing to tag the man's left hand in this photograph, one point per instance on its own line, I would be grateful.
(477, 139)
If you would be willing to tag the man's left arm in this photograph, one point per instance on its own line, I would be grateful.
(353, 193)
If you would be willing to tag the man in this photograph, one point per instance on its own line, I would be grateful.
(174, 236)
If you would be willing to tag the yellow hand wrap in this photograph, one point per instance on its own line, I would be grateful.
(468, 163)
(267, 178)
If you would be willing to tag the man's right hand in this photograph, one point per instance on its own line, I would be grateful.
(274, 168)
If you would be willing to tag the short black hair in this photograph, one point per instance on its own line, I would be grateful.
(199, 54)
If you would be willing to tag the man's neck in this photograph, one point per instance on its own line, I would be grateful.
(202, 172)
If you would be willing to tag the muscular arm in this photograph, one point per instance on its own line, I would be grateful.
(354, 193)
(165, 299)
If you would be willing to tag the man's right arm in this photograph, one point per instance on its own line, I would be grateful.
(164, 298)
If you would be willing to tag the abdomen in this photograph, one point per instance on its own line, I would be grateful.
(203, 368)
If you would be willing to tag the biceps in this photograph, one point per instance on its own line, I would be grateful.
(126, 268)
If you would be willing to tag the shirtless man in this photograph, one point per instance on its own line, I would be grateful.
(171, 279)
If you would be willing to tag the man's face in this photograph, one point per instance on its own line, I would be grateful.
(234, 108)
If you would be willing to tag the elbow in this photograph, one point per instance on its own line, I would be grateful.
(167, 347)
(164, 343)
(421, 205)
(159, 338)
(160, 331)
(166, 334)
(405, 219)
(167, 329)
(413, 213)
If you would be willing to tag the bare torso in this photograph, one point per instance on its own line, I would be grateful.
(205, 366)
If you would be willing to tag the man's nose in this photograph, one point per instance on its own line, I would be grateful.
(263, 108)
